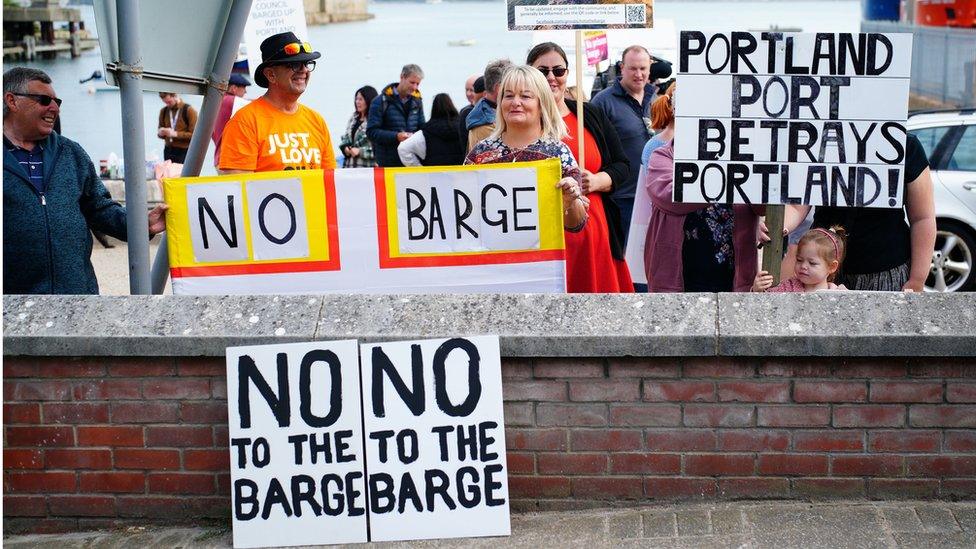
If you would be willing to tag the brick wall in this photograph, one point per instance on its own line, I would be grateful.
(91, 442)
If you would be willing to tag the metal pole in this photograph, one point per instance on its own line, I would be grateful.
(133, 146)
(223, 62)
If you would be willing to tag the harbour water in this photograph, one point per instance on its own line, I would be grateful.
(372, 52)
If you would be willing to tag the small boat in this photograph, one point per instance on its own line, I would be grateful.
(465, 42)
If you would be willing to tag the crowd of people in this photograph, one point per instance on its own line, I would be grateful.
(516, 112)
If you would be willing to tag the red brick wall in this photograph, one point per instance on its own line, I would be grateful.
(94, 442)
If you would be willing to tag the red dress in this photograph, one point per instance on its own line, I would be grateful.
(590, 267)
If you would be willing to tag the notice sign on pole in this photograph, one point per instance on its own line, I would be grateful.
(532, 15)
(435, 439)
(792, 118)
(296, 444)
(430, 415)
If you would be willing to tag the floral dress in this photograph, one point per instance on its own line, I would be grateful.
(494, 151)
(355, 136)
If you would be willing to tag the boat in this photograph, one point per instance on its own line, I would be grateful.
(465, 42)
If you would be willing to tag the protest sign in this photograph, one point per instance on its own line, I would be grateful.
(490, 228)
(270, 17)
(435, 439)
(792, 118)
(296, 449)
(597, 50)
(580, 14)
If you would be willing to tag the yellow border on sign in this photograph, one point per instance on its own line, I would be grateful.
(550, 205)
(178, 216)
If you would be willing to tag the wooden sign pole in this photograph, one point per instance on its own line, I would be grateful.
(772, 257)
(579, 99)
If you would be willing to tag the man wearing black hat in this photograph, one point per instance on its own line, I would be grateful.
(236, 88)
(275, 131)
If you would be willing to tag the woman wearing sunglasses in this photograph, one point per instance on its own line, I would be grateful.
(594, 256)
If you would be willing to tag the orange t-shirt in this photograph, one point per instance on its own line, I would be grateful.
(261, 138)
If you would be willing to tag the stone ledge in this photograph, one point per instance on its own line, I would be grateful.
(530, 325)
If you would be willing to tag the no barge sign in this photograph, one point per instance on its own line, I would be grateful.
(418, 454)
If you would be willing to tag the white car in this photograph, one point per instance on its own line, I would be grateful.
(949, 140)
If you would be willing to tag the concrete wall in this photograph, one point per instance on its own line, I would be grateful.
(115, 408)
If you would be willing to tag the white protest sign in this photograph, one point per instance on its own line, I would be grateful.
(270, 17)
(792, 118)
(296, 444)
(468, 211)
(435, 439)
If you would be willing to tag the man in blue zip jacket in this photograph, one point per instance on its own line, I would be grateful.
(395, 114)
(51, 196)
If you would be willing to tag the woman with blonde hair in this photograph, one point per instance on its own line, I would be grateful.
(528, 127)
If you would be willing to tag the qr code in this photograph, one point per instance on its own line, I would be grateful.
(636, 14)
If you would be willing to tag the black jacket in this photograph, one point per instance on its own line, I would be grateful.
(443, 143)
(614, 162)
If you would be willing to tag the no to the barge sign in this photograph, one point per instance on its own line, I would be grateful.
(792, 118)
(418, 454)
(489, 228)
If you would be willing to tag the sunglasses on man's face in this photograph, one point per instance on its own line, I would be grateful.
(297, 65)
(558, 72)
(297, 47)
(43, 100)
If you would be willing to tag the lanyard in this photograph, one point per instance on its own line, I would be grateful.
(173, 118)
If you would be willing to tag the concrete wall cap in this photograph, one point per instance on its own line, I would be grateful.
(530, 325)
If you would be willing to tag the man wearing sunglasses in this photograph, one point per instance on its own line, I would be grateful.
(51, 196)
(276, 132)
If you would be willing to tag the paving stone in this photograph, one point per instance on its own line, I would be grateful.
(902, 519)
(659, 524)
(966, 517)
(954, 540)
(727, 521)
(936, 518)
(817, 526)
(692, 523)
(624, 526)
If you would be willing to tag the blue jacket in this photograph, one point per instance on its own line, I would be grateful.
(482, 114)
(47, 244)
(387, 117)
(628, 118)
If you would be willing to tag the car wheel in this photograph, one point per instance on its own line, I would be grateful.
(952, 260)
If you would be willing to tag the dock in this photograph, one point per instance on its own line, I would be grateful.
(31, 32)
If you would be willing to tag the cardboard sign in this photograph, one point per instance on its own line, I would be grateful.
(792, 118)
(432, 420)
(435, 439)
(597, 50)
(490, 228)
(532, 15)
(296, 444)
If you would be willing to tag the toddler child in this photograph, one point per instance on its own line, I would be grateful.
(818, 258)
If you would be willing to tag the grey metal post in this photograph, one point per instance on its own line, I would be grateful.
(223, 62)
(133, 145)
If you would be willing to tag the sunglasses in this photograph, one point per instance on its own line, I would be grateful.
(43, 100)
(297, 65)
(297, 47)
(558, 72)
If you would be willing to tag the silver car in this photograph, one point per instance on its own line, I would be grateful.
(949, 140)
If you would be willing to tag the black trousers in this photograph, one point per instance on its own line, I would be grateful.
(176, 154)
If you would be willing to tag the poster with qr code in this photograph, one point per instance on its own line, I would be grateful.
(532, 15)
